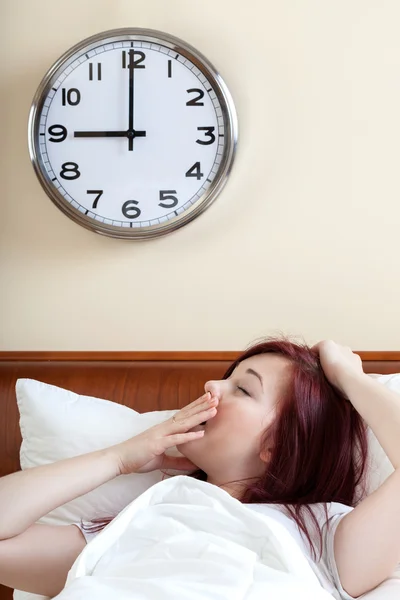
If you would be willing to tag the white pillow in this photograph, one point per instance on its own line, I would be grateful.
(56, 423)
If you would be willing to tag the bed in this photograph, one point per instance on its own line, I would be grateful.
(145, 381)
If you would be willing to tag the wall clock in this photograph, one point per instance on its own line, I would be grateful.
(132, 133)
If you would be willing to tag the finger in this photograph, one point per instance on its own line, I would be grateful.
(316, 346)
(207, 400)
(180, 438)
(191, 408)
(187, 422)
(196, 403)
(194, 408)
(179, 419)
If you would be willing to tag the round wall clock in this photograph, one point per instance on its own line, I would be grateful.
(132, 133)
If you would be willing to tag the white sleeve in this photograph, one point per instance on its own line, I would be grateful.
(328, 555)
(390, 588)
(86, 534)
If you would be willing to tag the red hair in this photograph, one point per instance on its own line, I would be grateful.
(317, 443)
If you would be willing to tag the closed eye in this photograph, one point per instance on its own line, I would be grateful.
(243, 390)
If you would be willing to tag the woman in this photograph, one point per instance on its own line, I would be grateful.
(284, 433)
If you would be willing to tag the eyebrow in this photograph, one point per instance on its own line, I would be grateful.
(252, 372)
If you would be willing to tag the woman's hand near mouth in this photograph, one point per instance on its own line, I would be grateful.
(145, 452)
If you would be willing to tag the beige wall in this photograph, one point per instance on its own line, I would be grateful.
(305, 238)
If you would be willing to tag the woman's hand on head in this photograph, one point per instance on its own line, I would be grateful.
(145, 452)
(338, 362)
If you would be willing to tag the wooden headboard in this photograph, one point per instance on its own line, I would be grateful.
(144, 381)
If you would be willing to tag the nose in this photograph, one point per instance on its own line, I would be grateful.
(215, 388)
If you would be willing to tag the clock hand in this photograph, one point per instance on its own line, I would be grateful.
(131, 99)
(128, 134)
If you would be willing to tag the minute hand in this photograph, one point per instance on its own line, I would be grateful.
(131, 99)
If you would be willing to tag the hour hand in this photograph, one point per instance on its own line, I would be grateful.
(128, 134)
(100, 133)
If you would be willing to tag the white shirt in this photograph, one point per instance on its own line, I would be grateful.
(325, 569)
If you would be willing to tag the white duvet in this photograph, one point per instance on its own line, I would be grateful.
(185, 539)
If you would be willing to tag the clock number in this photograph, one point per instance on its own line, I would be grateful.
(99, 194)
(209, 133)
(168, 195)
(72, 97)
(98, 71)
(66, 168)
(170, 68)
(195, 171)
(58, 131)
(127, 208)
(136, 62)
(195, 101)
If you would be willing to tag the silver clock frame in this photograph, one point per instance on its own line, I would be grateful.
(228, 113)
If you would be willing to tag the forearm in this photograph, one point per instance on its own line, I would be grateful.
(380, 408)
(27, 495)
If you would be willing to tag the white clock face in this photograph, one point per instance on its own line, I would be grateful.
(130, 133)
